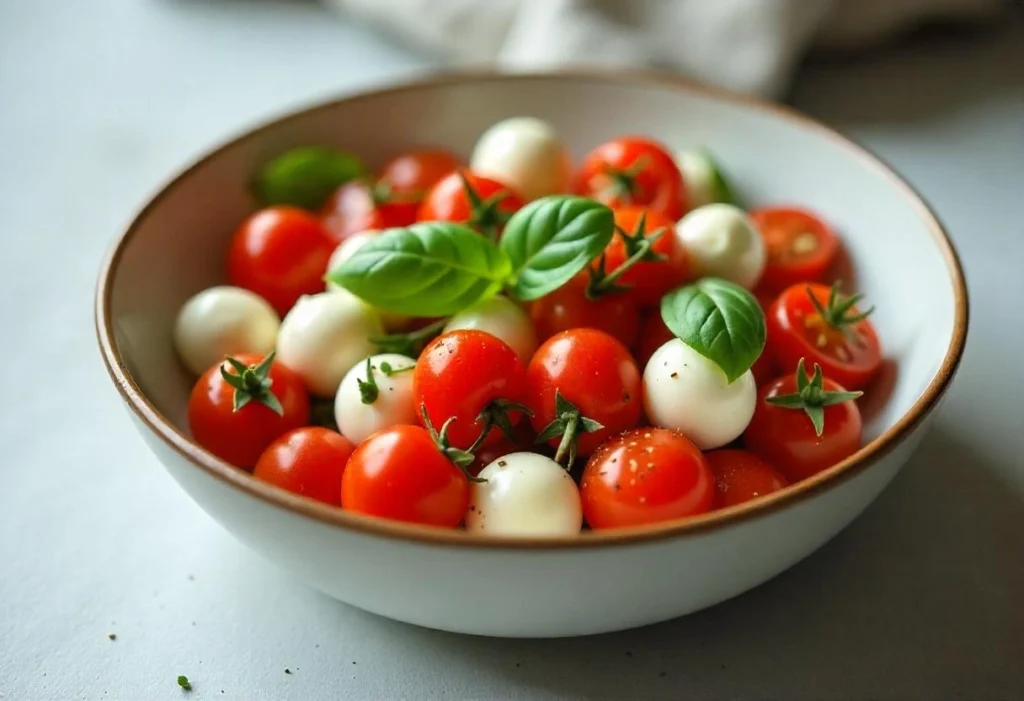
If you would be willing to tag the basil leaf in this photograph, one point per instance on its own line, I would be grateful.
(722, 190)
(427, 269)
(551, 239)
(305, 177)
(718, 319)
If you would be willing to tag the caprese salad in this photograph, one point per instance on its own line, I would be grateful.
(518, 347)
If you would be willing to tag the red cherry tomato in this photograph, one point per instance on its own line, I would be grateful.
(461, 375)
(800, 246)
(399, 473)
(568, 308)
(358, 206)
(524, 441)
(413, 174)
(648, 280)
(280, 253)
(307, 461)
(645, 476)
(633, 171)
(787, 439)
(741, 476)
(239, 437)
(595, 373)
(653, 335)
(481, 203)
(848, 353)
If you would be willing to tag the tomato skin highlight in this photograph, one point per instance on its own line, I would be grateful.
(741, 476)
(593, 371)
(447, 200)
(459, 374)
(400, 474)
(240, 437)
(800, 246)
(796, 330)
(280, 253)
(648, 280)
(645, 476)
(412, 174)
(354, 208)
(656, 183)
(308, 461)
(786, 437)
(568, 308)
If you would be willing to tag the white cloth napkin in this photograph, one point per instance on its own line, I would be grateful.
(747, 45)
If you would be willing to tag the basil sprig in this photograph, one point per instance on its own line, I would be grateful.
(305, 177)
(718, 319)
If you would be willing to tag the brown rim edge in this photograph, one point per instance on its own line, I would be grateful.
(855, 464)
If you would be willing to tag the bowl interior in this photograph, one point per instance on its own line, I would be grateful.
(177, 246)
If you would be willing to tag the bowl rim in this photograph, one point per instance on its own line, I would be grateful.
(867, 456)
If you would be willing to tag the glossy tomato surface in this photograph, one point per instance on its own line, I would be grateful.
(412, 174)
(308, 461)
(357, 206)
(568, 308)
(648, 281)
(741, 476)
(800, 246)
(449, 200)
(633, 171)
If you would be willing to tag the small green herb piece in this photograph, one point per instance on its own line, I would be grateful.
(810, 397)
(718, 319)
(252, 383)
(462, 459)
(721, 188)
(569, 423)
(552, 239)
(838, 310)
(639, 247)
(411, 343)
(427, 269)
(368, 390)
(391, 371)
(305, 177)
(485, 215)
(184, 683)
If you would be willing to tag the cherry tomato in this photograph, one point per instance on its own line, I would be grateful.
(596, 374)
(467, 375)
(653, 335)
(524, 441)
(568, 308)
(413, 174)
(358, 206)
(787, 438)
(841, 341)
(800, 246)
(239, 437)
(400, 473)
(644, 476)
(307, 461)
(741, 476)
(280, 253)
(648, 280)
(481, 203)
(633, 171)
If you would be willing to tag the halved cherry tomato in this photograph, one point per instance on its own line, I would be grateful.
(596, 375)
(307, 461)
(240, 436)
(481, 203)
(800, 246)
(471, 378)
(647, 280)
(358, 206)
(280, 253)
(823, 331)
(401, 474)
(741, 476)
(412, 174)
(568, 308)
(633, 171)
(653, 335)
(644, 476)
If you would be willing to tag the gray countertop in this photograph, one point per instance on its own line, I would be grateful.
(99, 101)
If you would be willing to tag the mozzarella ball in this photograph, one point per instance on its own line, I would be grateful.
(501, 317)
(323, 336)
(223, 321)
(686, 392)
(525, 494)
(342, 253)
(722, 241)
(699, 177)
(392, 406)
(525, 154)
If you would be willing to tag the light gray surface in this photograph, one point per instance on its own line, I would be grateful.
(99, 101)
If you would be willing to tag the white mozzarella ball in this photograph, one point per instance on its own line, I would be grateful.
(222, 321)
(722, 241)
(524, 153)
(525, 495)
(392, 405)
(323, 336)
(699, 177)
(501, 317)
(686, 392)
(345, 250)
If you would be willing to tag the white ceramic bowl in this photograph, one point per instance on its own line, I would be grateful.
(597, 582)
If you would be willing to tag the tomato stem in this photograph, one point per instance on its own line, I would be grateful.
(411, 343)
(838, 311)
(462, 459)
(810, 397)
(639, 247)
(569, 423)
(252, 382)
(368, 390)
(496, 414)
(622, 181)
(485, 215)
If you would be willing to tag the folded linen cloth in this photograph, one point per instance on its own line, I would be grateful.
(747, 45)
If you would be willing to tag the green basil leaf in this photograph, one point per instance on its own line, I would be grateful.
(552, 239)
(722, 190)
(305, 177)
(427, 269)
(718, 319)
